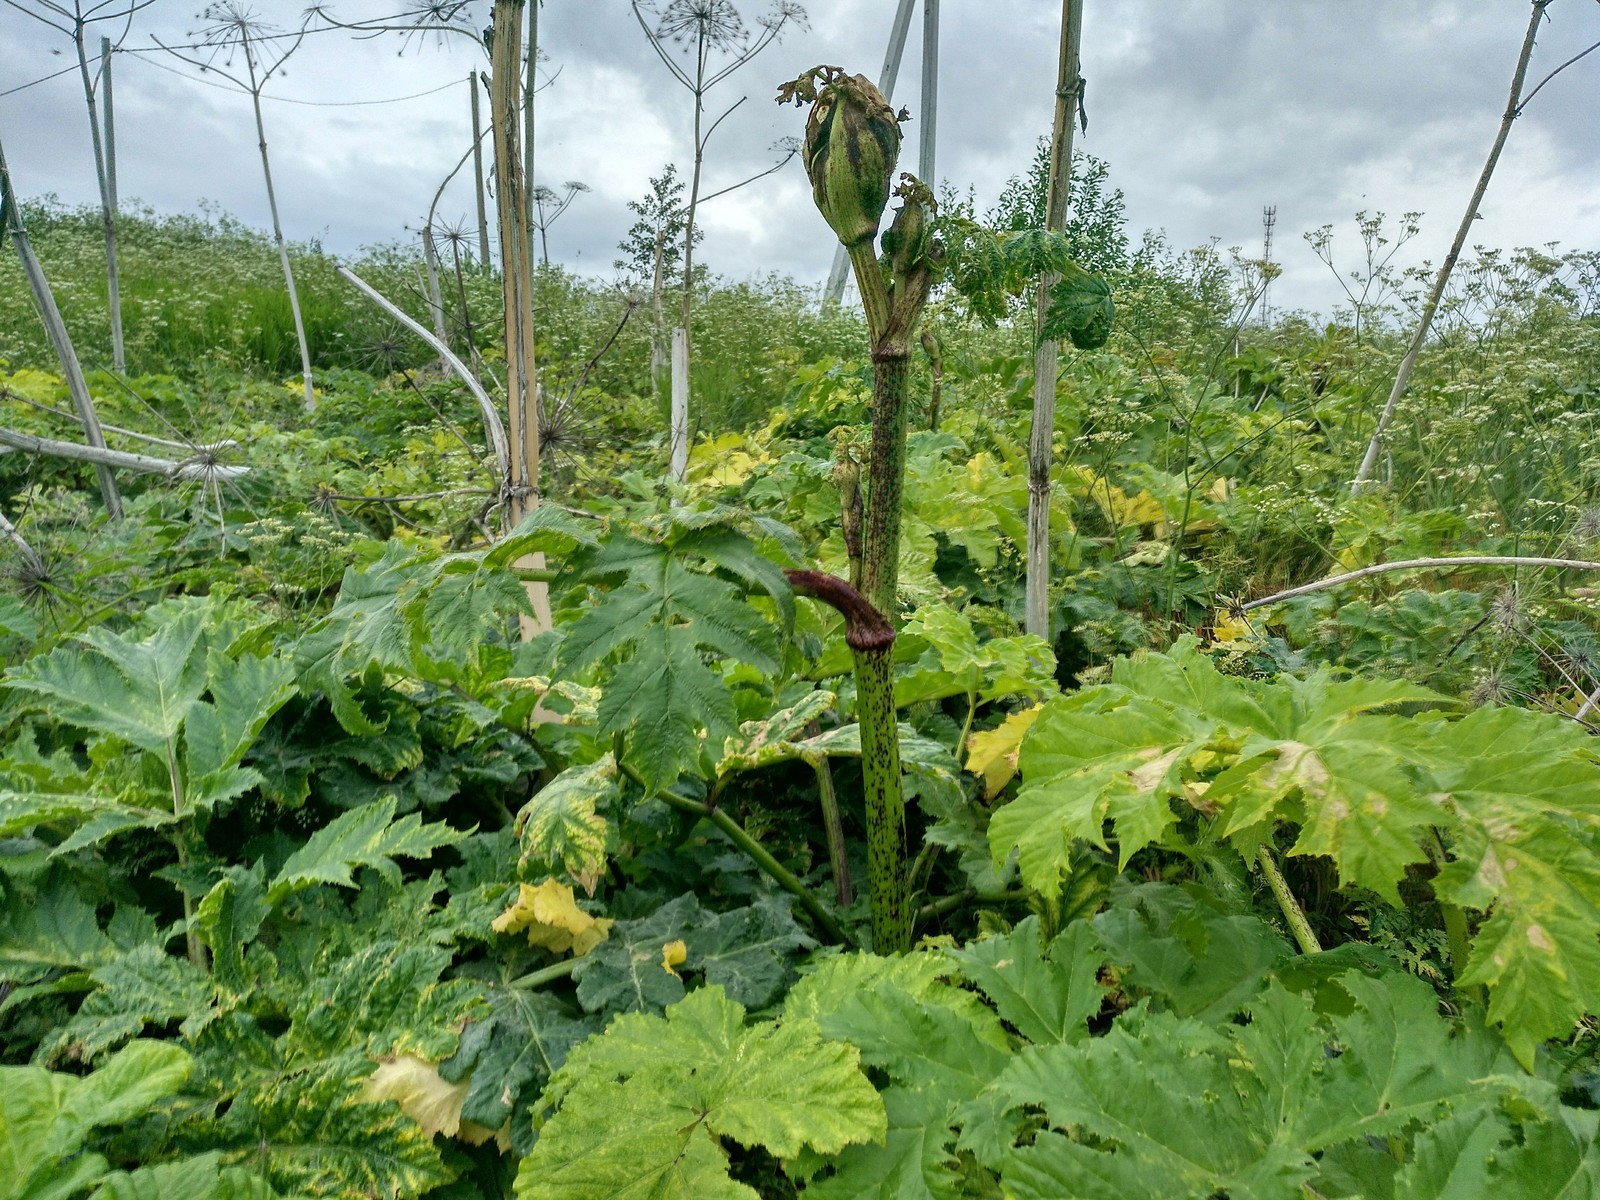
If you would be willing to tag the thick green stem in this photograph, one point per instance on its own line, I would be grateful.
(1293, 914)
(872, 285)
(972, 708)
(193, 945)
(934, 347)
(544, 975)
(945, 905)
(887, 851)
(871, 640)
(1456, 929)
(834, 826)
(196, 947)
(785, 879)
(847, 478)
(922, 867)
(880, 573)
(891, 357)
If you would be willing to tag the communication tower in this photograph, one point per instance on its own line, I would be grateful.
(1269, 219)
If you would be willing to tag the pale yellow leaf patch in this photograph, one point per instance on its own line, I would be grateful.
(672, 955)
(553, 919)
(1146, 554)
(992, 753)
(1120, 509)
(422, 1093)
(725, 461)
(428, 1099)
(1148, 777)
(1230, 632)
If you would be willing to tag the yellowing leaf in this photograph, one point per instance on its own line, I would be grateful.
(650, 1108)
(422, 1093)
(725, 461)
(35, 385)
(562, 828)
(1121, 510)
(1145, 554)
(992, 753)
(672, 954)
(1232, 632)
(428, 1099)
(553, 919)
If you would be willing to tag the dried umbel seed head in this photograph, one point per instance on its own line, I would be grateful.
(852, 142)
(1506, 611)
(1586, 528)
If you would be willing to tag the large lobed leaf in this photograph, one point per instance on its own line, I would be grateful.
(1183, 949)
(505, 1059)
(628, 972)
(1046, 994)
(180, 688)
(384, 1000)
(938, 1045)
(1513, 792)
(313, 1132)
(204, 1177)
(46, 1118)
(144, 987)
(86, 820)
(1081, 310)
(1356, 1087)
(363, 837)
(563, 829)
(643, 1108)
(1170, 1106)
(427, 615)
(1525, 847)
(747, 951)
(659, 621)
(138, 689)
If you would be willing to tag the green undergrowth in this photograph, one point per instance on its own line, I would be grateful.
(318, 879)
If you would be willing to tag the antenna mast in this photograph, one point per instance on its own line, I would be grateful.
(1269, 220)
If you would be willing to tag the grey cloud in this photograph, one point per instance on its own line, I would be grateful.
(1205, 109)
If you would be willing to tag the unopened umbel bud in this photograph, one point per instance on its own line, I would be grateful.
(852, 142)
(907, 242)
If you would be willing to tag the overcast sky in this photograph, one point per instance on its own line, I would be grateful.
(1206, 110)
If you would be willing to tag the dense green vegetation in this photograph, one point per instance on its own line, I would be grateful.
(316, 879)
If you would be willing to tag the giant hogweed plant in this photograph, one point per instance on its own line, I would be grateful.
(1167, 1047)
(851, 148)
(662, 711)
(1494, 810)
(307, 1015)
(466, 1038)
(170, 711)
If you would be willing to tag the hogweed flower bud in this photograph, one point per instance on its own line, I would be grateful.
(909, 244)
(851, 145)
